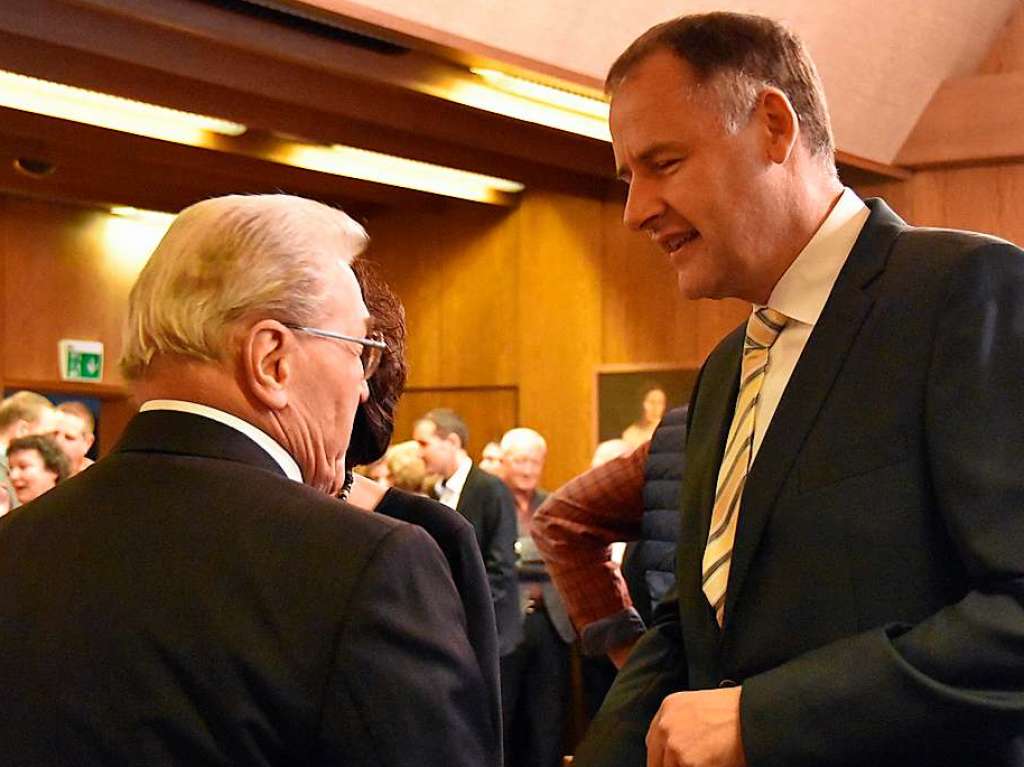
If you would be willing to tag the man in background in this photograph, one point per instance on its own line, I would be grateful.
(490, 459)
(75, 433)
(199, 596)
(485, 501)
(535, 679)
(849, 571)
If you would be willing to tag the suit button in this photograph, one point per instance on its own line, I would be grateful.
(727, 683)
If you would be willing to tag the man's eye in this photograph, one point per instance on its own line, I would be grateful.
(667, 165)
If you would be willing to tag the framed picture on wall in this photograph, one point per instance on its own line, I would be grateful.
(631, 399)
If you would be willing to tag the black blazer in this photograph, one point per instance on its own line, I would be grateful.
(875, 609)
(183, 603)
(457, 541)
(489, 507)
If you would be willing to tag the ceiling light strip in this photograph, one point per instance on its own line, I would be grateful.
(390, 170)
(66, 102)
(545, 94)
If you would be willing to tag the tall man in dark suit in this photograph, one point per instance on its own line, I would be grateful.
(198, 597)
(487, 504)
(850, 571)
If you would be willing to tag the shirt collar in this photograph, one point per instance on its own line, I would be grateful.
(802, 291)
(281, 456)
(456, 481)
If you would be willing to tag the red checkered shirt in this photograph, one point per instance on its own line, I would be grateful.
(575, 527)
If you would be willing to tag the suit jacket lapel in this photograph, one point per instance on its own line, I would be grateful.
(822, 359)
(709, 427)
(468, 488)
(167, 431)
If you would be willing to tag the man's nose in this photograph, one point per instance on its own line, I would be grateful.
(643, 206)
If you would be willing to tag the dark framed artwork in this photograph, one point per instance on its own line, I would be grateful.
(623, 389)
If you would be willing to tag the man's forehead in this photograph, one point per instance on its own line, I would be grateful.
(345, 288)
(425, 427)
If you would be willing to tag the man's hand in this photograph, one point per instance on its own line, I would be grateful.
(618, 655)
(697, 729)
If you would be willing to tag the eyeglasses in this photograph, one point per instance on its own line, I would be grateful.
(373, 347)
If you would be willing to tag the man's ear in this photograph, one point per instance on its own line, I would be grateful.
(267, 366)
(89, 439)
(454, 439)
(782, 127)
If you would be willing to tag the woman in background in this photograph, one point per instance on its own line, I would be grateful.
(653, 408)
(36, 465)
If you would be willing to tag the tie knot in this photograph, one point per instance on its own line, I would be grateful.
(764, 327)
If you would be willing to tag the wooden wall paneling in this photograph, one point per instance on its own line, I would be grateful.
(114, 416)
(62, 281)
(987, 199)
(643, 318)
(488, 411)
(407, 248)
(478, 296)
(897, 194)
(454, 270)
(560, 326)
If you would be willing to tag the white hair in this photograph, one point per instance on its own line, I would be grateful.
(609, 449)
(522, 438)
(228, 257)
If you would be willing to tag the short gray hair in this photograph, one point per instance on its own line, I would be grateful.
(523, 438)
(228, 257)
(736, 56)
(25, 406)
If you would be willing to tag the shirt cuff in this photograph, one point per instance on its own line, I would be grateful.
(621, 628)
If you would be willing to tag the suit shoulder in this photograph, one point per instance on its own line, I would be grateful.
(933, 249)
(432, 516)
(480, 481)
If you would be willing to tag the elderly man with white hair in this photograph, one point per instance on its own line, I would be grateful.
(534, 676)
(198, 596)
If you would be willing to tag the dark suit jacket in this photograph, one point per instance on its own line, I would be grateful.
(488, 505)
(183, 603)
(457, 541)
(874, 611)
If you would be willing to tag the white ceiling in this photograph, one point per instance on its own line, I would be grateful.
(881, 60)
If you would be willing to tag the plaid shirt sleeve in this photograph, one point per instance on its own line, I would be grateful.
(574, 530)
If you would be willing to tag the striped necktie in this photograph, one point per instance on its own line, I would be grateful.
(763, 328)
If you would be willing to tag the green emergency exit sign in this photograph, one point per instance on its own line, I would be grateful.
(81, 360)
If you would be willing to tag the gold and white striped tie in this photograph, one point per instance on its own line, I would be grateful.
(763, 328)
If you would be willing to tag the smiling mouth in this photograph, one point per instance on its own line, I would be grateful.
(672, 244)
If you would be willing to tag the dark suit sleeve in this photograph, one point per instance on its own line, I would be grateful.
(958, 675)
(497, 538)
(406, 688)
(656, 668)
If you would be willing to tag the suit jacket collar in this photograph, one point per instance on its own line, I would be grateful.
(175, 433)
(469, 486)
(847, 307)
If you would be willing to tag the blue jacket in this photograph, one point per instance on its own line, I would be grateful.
(650, 564)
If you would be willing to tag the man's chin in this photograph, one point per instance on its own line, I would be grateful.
(694, 285)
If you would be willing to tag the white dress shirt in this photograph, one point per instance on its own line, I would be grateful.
(801, 294)
(449, 490)
(281, 456)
